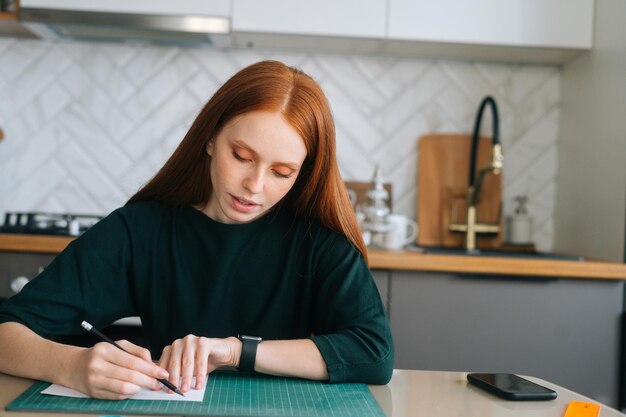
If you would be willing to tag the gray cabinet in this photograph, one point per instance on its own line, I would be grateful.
(382, 282)
(16, 269)
(564, 331)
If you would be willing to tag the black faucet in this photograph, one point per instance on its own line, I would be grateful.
(475, 184)
(496, 161)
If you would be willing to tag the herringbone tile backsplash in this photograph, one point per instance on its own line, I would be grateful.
(87, 123)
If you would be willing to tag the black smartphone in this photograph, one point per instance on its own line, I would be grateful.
(511, 387)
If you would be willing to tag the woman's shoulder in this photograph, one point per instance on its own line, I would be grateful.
(150, 210)
(324, 246)
(317, 233)
(144, 207)
(143, 213)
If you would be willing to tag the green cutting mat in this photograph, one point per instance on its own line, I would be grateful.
(227, 394)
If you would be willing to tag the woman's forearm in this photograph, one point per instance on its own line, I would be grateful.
(297, 358)
(26, 354)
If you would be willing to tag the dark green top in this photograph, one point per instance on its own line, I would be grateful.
(184, 273)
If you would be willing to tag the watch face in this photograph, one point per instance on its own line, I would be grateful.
(251, 338)
(254, 338)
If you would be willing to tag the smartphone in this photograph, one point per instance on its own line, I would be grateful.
(511, 387)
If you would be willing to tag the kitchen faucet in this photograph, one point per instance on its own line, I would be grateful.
(475, 184)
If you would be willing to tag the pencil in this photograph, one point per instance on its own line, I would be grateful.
(105, 338)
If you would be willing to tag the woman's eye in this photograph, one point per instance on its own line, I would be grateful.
(281, 175)
(238, 157)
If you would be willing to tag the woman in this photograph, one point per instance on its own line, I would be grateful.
(247, 230)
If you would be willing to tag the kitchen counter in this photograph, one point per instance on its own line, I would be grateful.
(496, 265)
(402, 260)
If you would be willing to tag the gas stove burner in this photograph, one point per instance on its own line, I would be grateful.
(48, 223)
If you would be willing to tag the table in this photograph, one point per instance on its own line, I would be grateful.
(410, 393)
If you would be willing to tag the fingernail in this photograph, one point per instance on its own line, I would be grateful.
(185, 387)
(164, 375)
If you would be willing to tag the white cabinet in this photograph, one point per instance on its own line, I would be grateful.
(343, 18)
(524, 23)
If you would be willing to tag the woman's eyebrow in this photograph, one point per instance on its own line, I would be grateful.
(239, 143)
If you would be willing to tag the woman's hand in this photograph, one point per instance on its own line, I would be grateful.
(197, 356)
(104, 371)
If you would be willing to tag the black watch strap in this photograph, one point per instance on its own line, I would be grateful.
(247, 359)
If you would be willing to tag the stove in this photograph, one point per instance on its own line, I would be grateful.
(38, 223)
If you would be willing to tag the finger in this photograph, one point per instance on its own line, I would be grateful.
(135, 350)
(165, 357)
(113, 389)
(106, 375)
(173, 362)
(143, 353)
(129, 361)
(202, 358)
(132, 376)
(188, 361)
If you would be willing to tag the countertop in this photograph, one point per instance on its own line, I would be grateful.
(403, 260)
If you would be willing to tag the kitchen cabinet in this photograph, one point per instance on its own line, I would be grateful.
(565, 331)
(381, 278)
(529, 31)
(534, 23)
(16, 269)
(346, 18)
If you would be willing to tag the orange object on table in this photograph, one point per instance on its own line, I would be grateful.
(582, 409)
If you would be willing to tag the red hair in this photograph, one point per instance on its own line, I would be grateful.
(318, 192)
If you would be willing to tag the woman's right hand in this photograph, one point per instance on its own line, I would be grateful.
(104, 371)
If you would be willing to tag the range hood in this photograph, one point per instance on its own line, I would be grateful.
(180, 21)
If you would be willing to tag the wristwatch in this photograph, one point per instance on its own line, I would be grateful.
(247, 359)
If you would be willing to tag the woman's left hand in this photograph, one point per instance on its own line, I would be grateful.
(197, 356)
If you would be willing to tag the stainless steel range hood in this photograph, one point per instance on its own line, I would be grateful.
(187, 21)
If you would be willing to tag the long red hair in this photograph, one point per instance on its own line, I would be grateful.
(318, 192)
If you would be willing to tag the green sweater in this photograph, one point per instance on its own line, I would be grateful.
(184, 273)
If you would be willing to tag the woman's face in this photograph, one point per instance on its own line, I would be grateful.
(255, 160)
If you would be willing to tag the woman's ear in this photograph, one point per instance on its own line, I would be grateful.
(209, 148)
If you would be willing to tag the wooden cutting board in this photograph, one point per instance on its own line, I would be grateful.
(442, 171)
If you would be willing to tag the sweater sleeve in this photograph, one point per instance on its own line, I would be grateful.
(351, 327)
(87, 281)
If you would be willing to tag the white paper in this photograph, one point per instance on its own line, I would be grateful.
(144, 394)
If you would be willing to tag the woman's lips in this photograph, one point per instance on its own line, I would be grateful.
(243, 205)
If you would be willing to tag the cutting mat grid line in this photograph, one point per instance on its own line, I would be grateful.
(227, 394)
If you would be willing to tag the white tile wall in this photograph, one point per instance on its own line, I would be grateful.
(86, 124)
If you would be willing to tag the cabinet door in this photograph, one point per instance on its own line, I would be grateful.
(381, 277)
(16, 269)
(564, 331)
(533, 23)
(350, 18)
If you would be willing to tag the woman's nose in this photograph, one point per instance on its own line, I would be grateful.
(254, 182)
